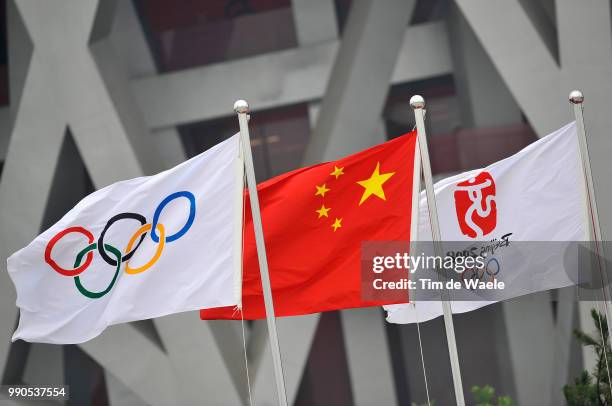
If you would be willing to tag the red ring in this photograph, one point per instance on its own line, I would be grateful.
(54, 240)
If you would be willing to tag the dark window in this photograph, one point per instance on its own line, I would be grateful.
(278, 138)
(190, 33)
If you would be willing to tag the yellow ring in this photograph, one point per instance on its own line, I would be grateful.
(160, 248)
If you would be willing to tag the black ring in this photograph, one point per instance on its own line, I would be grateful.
(121, 216)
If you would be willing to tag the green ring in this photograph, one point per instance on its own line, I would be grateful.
(79, 258)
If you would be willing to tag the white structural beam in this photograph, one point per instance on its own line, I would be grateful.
(140, 365)
(359, 82)
(52, 357)
(314, 20)
(20, 49)
(198, 363)
(228, 337)
(484, 99)
(275, 79)
(531, 354)
(132, 50)
(51, 97)
(168, 142)
(576, 22)
(119, 394)
(369, 357)
(522, 59)
(130, 44)
(542, 15)
(203, 93)
(295, 335)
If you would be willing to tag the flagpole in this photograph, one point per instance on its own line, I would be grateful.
(576, 98)
(241, 108)
(418, 105)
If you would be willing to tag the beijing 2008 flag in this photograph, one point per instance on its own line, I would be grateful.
(525, 213)
(134, 250)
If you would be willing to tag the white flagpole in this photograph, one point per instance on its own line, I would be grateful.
(576, 98)
(418, 105)
(241, 108)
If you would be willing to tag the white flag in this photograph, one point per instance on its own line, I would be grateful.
(137, 249)
(536, 195)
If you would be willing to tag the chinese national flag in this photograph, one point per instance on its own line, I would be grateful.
(315, 220)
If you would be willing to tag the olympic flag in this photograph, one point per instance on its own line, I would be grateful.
(525, 213)
(134, 250)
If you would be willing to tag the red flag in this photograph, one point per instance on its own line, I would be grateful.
(314, 221)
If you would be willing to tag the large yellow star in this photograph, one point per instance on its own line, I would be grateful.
(373, 185)
(323, 211)
(337, 224)
(337, 172)
(321, 190)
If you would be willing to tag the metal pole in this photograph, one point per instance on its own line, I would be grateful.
(416, 202)
(241, 108)
(576, 98)
(418, 105)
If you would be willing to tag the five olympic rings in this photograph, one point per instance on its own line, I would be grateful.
(110, 254)
(487, 274)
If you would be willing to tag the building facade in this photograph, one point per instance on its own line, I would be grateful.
(97, 91)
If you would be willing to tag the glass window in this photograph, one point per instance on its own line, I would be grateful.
(278, 138)
(186, 33)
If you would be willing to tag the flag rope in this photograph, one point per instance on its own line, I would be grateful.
(246, 360)
(418, 192)
(415, 227)
(422, 357)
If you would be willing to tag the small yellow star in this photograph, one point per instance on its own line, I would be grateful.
(323, 211)
(321, 190)
(373, 185)
(337, 172)
(337, 224)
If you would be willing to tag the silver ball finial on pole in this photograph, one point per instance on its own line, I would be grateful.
(576, 97)
(241, 106)
(417, 102)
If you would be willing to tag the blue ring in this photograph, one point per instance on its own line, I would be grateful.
(168, 199)
(498, 267)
